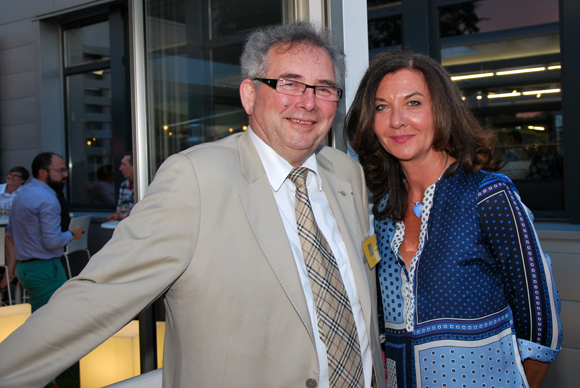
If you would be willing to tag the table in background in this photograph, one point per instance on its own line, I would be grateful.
(109, 224)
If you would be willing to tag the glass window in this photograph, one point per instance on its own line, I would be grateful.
(382, 3)
(509, 71)
(486, 30)
(531, 144)
(385, 25)
(238, 17)
(528, 122)
(90, 138)
(98, 126)
(87, 44)
(88, 96)
(193, 72)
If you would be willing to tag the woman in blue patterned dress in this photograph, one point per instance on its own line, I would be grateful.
(468, 294)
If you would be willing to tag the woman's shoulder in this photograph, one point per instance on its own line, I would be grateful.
(479, 179)
(494, 178)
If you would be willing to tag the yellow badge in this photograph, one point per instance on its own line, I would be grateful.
(370, 250)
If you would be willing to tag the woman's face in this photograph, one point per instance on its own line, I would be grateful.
(14, 179)
(403, 119)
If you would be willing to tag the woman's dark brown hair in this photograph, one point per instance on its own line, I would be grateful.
(457, 131)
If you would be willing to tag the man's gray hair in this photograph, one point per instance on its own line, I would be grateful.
(255, 54)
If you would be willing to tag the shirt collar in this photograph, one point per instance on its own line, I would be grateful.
(276, 167)
(42, 184)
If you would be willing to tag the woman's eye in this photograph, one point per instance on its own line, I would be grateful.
(414, 103)
(381, 107)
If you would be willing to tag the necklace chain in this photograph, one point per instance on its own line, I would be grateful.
(418, 206)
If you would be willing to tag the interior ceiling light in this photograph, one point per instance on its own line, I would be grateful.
(545, 91)
(519, 71)
(555, 67)
(515, 93)
(536, 128)
(470, 76)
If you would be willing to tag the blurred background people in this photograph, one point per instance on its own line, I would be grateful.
(39, 231)
(15, 178)
(467, 291)
(514, 141)
(126, 191)
(103, 191)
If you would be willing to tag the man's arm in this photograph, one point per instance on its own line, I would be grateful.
(116, 216)
(147, 253)
(49, 216)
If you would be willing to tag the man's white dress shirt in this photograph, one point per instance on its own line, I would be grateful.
(277, 170)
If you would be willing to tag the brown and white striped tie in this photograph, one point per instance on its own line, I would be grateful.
(336, 325)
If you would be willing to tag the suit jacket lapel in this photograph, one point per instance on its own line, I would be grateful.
(263, 215)
(339, 195)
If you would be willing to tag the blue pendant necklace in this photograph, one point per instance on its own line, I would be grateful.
(418, 206)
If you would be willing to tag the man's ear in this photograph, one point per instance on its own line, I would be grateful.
(248, 95)
(42, 173)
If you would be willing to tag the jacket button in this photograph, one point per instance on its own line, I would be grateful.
(311, 383)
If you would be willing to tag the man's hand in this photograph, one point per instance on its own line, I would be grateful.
(116, 216)
(535, 371)
(77, 232)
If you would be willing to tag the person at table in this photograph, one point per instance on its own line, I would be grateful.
(467, 291)
(39, 231)
(126, 191)
(247, 237)
(15, 178)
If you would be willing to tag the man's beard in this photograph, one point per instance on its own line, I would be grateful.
(57, 186)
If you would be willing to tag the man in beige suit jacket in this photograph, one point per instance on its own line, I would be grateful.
(209, 235)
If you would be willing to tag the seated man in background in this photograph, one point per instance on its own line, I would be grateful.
(126, 191)
(14, 180)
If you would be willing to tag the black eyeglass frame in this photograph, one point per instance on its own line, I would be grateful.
(273, 83)
(62, 171)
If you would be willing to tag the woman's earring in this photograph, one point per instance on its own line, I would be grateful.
(286, 105)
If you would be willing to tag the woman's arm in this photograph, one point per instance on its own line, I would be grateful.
(535, 371)
(509, 232)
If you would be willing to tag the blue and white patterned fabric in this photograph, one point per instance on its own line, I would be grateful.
(478, 297)
(126, 195)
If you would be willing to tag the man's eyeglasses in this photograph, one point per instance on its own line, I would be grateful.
(61, 170)
(297, 88)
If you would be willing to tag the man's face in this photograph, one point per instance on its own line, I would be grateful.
(292, 125)
(126, 168)
(57, 173)
(14, 179)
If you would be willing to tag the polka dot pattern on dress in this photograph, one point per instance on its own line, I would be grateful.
(471, 289)
(488, 365)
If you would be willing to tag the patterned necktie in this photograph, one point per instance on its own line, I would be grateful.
(64, 214)
(336, 325)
